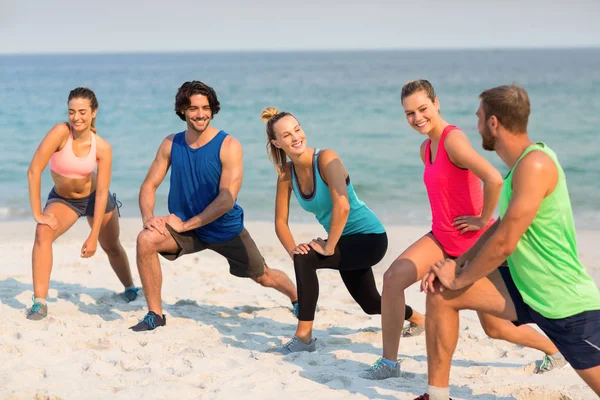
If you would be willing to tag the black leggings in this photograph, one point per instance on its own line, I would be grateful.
(354, 256)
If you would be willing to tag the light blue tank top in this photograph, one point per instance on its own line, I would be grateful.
(360, 220)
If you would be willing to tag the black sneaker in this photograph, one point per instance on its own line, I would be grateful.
(150, 322)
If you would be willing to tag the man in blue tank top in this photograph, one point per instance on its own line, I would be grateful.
(206, 176)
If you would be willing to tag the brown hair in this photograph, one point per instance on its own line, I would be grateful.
(418, 85)
(510, 104)
(189, 89)
(85, 93)
(271, 115)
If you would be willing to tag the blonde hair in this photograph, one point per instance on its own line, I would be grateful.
(271, 115)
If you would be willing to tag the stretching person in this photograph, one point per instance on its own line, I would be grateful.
(461, 211)
(356, 239)
(545, 283)
(206, 176)
(74, 150)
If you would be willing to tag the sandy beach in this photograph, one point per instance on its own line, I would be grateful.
(221, 331)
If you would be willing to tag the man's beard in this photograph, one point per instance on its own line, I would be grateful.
(195, 128)
(488, 142)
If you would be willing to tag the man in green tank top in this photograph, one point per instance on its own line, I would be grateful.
(545, 283)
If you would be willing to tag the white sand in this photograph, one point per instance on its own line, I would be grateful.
(220, 329)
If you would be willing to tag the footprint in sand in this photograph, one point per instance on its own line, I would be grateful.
(540, 393)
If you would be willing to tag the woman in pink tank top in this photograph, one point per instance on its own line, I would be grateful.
(74, 152)
(461, 212)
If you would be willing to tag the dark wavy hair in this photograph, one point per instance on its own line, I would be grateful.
(189, 89)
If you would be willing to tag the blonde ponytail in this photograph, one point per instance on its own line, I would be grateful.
(271, 115)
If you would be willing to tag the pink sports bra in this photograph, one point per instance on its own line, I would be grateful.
(67, 164)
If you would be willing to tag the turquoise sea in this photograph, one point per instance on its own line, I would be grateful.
(348, 101)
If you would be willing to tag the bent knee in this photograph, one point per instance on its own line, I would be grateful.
(113, 250)
(43, 234)
(264, 280)
(493, 330)
(147, 240)
(399, 276)
(305, 260)
(372, 309)
(436, 299)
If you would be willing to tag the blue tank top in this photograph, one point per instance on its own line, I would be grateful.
(360, 219)
(195, 177)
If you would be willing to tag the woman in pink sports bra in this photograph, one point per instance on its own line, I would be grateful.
(74, 151)
(461, 212)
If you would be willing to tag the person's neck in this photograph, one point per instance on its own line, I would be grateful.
(304, 160)
(436, 133)
(197, 138)
(511, 146)
(84, 134)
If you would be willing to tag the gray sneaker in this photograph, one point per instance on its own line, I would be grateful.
(551, 362)
(413, 330)
(380, 370)
(37, 311)
(296, 345)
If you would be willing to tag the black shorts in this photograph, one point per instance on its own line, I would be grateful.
(85, 205)
(245, 260)
(577, 337)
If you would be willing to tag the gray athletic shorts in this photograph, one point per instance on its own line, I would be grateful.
(245, 260)
(85, 205)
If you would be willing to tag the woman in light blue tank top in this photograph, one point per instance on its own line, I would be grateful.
(356, 239)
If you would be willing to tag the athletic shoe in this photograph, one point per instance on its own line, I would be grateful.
(295, 308)
(551, 362)
(130, 294)
(380, 370)
(38, 311)
(150, 322)
(413, 330)
(296, 345)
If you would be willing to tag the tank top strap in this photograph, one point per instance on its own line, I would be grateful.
(93, 146)
(446, 131)
(317, 169)
(441, 145)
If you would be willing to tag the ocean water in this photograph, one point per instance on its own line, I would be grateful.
(347, 101)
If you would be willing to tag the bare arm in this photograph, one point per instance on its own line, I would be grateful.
(104, 159)
(156, 174)
(282, 211)
(104, 156)
(468, 255)
(534, 178)
(335, 174)
(229, 186)
(464, 156)
(49, 145)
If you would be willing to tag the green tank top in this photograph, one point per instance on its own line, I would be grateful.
(545, 266)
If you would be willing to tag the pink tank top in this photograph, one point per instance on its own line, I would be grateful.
(67, 164)
(452, 192)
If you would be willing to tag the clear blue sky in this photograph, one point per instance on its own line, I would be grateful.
(50, 26)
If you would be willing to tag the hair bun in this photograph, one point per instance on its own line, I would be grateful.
(268, 113)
